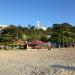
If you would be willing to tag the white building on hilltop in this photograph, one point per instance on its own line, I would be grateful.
(40, 26)
(3, 26)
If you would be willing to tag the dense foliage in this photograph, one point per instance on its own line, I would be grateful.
(60, 33)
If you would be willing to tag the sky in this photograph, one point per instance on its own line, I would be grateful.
(48, 12)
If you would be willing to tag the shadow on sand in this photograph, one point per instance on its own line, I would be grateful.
(63, 67)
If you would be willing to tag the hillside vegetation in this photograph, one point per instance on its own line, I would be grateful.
(58, 33)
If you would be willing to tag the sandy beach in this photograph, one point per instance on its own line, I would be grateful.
(38, 62)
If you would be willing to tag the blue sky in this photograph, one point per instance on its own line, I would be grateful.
(26, 12)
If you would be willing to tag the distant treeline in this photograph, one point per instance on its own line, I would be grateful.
(61, 33)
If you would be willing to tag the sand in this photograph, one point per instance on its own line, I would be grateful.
(38, 62)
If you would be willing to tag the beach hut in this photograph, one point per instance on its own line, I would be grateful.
(38, 45)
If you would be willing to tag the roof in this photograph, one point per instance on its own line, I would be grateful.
(36, 42)
(19, 42)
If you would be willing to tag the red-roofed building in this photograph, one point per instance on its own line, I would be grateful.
(37, 45)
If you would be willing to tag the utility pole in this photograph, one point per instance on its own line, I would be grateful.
(69, 38)
(17, 36)
(63, 38)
